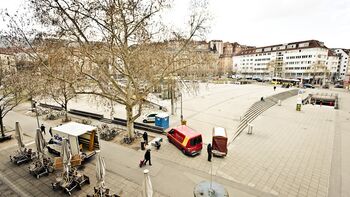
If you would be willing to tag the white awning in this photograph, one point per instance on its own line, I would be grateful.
(74, 129)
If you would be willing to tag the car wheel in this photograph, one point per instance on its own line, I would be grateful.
(144, 121)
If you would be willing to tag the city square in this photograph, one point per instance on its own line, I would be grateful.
(278, 159)
(203, 98)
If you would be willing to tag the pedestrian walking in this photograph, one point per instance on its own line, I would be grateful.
(145, 137)
(209, 150)
(43, 129)
(50, 131)
(148, 157)
(274, 88)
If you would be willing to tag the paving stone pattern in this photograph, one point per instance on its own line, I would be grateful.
(6, 190)
(289, 153)
(20, 177)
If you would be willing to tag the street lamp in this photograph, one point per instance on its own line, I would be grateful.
(181, 116)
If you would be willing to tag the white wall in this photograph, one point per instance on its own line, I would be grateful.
(343, 63)
(296, 63)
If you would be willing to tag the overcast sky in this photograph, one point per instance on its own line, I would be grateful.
(267, 22)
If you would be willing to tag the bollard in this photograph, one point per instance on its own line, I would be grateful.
(250, 129)
(279, 103)
(143, 145)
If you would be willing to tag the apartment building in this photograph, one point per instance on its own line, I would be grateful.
(304, 59)
(343, 62)
(7, 59)
(226, 50)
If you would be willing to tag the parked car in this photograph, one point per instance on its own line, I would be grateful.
(307, 85)
(259, 79)
(338, 86)
(326, 86)
(186, 139)
(150, 117)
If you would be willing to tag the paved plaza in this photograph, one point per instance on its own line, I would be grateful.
(290, 153)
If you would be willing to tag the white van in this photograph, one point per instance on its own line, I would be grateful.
(150, 117)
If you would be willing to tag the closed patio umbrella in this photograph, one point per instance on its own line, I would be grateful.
(40, 143)
(19, 137)
(100, 170)
(66, 157)
(147, 189)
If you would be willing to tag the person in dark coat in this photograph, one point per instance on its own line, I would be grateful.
(50, 131)
(145, 137)
(43, 129)
(148, 157)
(274, 88)
(209, 150)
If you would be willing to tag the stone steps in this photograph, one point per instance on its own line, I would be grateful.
(259, 107)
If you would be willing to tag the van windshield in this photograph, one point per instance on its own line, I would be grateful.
(196, 140)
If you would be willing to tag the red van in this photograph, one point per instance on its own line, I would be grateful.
(187, 140)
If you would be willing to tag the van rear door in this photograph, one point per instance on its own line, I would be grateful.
(195, 145)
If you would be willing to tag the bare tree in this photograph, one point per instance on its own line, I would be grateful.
(10, 92)
(33, 80)
(118, 46)
(59, 73)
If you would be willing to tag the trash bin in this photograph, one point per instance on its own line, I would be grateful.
(142, 145)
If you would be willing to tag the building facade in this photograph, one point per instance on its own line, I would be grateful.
(305, 59)
(7, 59)
(343, 62)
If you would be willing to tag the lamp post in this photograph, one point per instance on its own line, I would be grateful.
(181, 116)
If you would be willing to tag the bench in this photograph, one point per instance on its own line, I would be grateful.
(86, 114)
(54, 107)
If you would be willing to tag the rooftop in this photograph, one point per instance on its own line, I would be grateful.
(284, 47)
(74, 128)
(187, 131)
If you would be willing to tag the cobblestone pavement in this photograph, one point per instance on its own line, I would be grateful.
(218, 105)
(289, 154)
(19, 176)
(6, 191)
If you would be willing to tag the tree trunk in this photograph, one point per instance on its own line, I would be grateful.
(129, 121)
(31, 101)
(2, 127)
(172, 99)
(66, 110)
